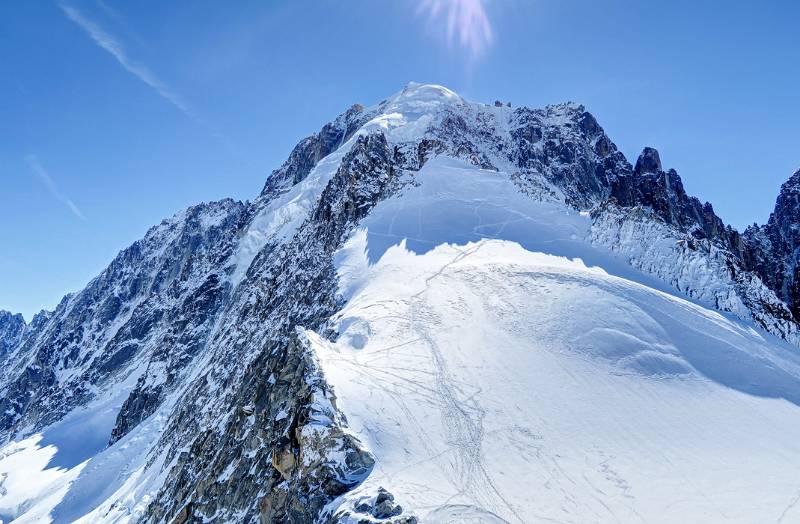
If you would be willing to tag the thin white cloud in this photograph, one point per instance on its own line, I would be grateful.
(115, 15)
(112, 45)
(39, 170)
(465, 22)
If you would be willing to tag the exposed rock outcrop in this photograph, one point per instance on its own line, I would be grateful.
(773, 249)
(662, 191)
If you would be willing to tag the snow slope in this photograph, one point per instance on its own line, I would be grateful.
(500, 383)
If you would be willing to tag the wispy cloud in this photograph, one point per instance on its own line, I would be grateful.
(465, 24)
(39, 170)
(113, 46)
(120, 21)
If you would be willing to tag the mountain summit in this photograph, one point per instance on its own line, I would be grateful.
(436, 310)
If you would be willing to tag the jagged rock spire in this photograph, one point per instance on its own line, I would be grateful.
(788, 201)
(773, 247)
(648, 162)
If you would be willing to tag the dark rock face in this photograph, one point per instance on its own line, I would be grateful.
(272, 465)
(773, 250)
(663, 192)
(648, 162)
(566, 145)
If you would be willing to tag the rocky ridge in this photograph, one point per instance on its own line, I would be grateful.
(651, 220)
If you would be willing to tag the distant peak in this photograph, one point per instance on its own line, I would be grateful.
(426, 93)
(355, 108)
(793, 182)
(648, 162)
(421, 87)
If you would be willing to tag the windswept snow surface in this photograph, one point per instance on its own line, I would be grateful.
(37, 472)
(499, 378)
(28, 481)
(67, 470)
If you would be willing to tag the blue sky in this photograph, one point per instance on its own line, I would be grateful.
(114, 115)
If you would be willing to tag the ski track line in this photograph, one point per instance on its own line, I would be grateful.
(466, 429)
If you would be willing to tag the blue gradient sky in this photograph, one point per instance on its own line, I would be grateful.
(114, 115)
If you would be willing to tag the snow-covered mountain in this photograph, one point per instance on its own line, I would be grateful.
(11, 329)
(435, 311)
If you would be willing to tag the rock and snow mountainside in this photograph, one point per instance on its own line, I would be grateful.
(435, 311)
(11, 329)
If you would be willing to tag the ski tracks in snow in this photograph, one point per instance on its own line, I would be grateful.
(462, 416)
